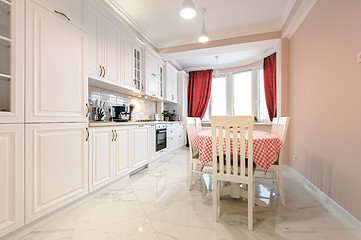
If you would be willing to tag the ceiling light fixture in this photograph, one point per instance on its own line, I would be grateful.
(188, 10)
(204, 35)
(217, 72)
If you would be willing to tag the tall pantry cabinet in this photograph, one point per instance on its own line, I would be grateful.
(56, 105)
(11, 116)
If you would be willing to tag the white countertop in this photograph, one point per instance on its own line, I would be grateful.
(104, 124)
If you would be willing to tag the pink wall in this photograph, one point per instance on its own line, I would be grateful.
(325, 101)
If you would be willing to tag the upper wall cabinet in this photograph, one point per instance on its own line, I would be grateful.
(153, 74)
(104, 40)
(170, 83)
(73, 11)
(56, 81)
(11, 61)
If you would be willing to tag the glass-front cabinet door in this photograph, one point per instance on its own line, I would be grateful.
(11, 61)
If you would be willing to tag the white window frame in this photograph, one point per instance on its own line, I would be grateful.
(255, 90)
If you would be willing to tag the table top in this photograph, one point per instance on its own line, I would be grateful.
(265, 147)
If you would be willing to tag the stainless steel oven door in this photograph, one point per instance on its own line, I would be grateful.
(161, 139)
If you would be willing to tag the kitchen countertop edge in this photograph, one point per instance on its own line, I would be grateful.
(105, 124)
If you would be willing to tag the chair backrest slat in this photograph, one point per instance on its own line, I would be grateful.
(220, 140)
(235, 150)
(226, 125)
(198, 124)
(274, 126)
(191, 132)
(282, 128)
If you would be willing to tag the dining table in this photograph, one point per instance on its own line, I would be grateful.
(265, 153)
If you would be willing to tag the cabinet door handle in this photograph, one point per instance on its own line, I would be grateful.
(88, 110)
(87, 134)
(153, 74)
(63, 14)
(133, 83)
(141, 85)
(116, 135)
(104, 72)
(172, 97)
(101, 70)
(113, 136)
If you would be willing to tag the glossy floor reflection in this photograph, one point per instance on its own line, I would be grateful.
(156, 204)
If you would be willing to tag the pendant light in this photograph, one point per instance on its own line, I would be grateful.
(204, 35)
(188, 10)
(217, 72)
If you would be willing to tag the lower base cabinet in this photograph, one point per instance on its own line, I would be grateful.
(11, 177)
(139, 146)
(108, 155)
(56, 166)
(100, 157)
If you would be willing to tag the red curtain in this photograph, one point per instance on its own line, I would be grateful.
(199, 92)
(270, 86)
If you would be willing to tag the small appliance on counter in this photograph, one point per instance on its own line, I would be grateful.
(122, 113)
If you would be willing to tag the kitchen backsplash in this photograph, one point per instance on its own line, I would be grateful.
(144, 109)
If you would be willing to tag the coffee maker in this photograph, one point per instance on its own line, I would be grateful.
(118, 113)
(121, 113)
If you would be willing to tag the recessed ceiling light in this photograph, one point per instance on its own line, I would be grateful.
(188, 10)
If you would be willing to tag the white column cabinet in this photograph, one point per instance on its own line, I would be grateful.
(101, 157)
(56, 166)
(121, 151)
(170, 83)
(12, 61)
(139, 146)
(11, 177)
(56, 83)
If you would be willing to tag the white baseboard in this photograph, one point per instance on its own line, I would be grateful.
(327, 202)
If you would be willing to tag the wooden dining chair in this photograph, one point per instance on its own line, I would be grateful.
(198, 124)
(274, 126)
(194, 163)
(233, 167)
(276, 169)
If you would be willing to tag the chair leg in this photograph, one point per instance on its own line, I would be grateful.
(215, 199)
(250, 206)
(218, 189)
(190, 176)
(275, 176)
(280, 182)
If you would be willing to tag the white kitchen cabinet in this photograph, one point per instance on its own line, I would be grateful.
(104, 48)
(56, 80)
(73, 11)
(139, 146)
(153, 74)
(11, 177)
(137, 67)
(175, 136)
(101, 156)
(12, 61)
(56, 166)
(170, 83)
(152, 143)
(127, 62)
(121, 151)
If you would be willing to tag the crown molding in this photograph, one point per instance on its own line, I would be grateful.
(296, 17)
(128, 19)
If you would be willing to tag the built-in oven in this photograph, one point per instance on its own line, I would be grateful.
(160, 136)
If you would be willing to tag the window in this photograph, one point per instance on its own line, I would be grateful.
(238, 93)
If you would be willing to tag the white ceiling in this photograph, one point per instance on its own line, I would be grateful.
(160, 23)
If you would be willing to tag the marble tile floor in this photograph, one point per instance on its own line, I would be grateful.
(156, 204)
